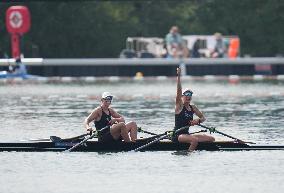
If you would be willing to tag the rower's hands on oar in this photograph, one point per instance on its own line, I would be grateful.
(210, 129)
(194, 122)
(113, 121)
(90, 130)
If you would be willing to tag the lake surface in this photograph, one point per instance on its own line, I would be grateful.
(252, 111)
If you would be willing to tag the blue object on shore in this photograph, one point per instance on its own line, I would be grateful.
(8, 75)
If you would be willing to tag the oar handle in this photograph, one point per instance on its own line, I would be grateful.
(211, 129)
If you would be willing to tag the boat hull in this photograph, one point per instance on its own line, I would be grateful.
(95, 146)
(7, 75)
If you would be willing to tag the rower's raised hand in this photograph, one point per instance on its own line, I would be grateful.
(178, 71)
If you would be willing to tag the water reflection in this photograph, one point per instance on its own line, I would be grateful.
(182, 153)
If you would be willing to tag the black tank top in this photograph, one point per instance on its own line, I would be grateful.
(104, 121)
(182, 119)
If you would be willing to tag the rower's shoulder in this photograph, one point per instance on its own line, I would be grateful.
(193, 106)
(178, 108)
(111, 110)
(97, 109)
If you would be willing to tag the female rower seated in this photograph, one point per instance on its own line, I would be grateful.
(103, 116)
(184, 112)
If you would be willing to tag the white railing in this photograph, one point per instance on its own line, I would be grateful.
(143, 62)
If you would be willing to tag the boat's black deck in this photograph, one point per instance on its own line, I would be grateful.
(95, 146)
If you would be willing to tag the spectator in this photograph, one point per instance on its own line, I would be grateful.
(164, 51)
(19, 68)
(175, 44)
(220, 47)
(195, 49)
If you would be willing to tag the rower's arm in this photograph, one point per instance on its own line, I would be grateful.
(199, 114)
(93, 116)
(179, 93)
(116, 116)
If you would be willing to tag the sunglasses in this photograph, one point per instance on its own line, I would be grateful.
(187, 93)
(108, 99)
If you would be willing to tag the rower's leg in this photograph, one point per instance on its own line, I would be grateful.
(132, 129)
(115, 131)
(204, 138)
(184, 138)
(124, 133)
(118, 130)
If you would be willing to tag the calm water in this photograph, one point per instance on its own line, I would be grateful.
(251, 111)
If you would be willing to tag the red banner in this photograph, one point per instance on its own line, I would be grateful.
(18, 19)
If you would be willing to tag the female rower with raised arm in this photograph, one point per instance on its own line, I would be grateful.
(184, 112)
(104, 115)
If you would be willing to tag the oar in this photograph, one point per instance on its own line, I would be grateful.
(143, 131)
(90, 137)
(154, 135)
(213, 130)
(163, 136)
(158, 135)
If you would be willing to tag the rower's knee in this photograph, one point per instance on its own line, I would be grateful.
(188, 139)
(133, 126)
(121, 125)
(194, 141)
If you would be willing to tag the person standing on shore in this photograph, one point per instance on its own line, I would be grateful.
(175, 45)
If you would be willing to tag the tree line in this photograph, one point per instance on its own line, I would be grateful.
(98, 29)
